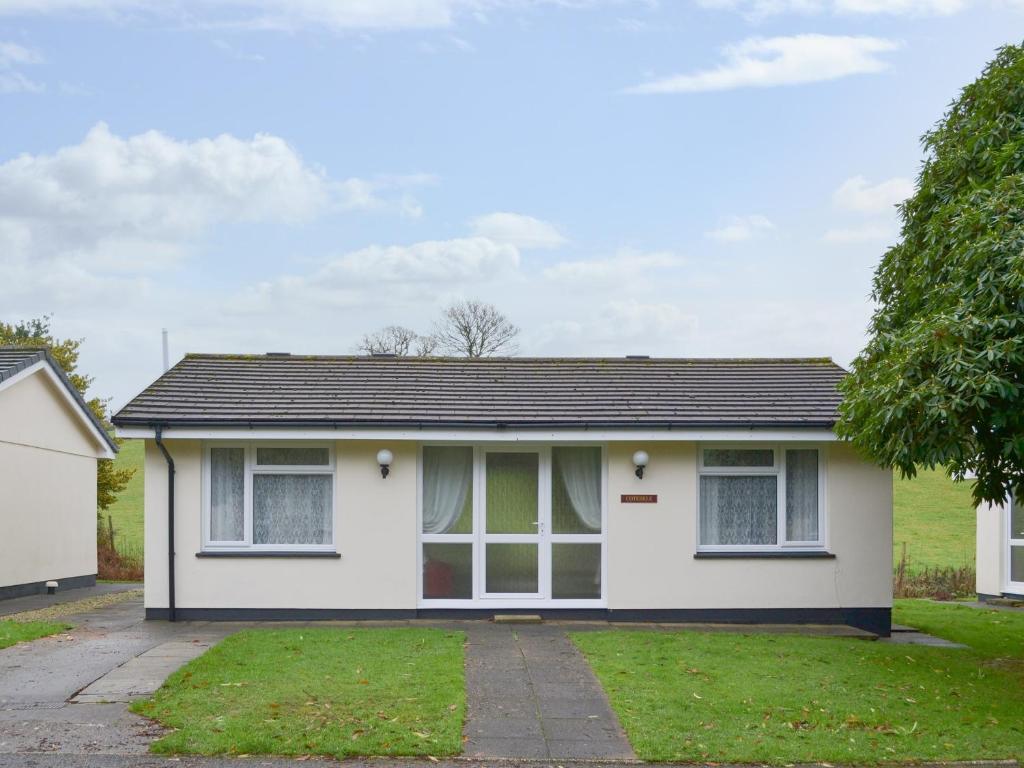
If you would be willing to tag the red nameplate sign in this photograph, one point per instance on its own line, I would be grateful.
(639, 498)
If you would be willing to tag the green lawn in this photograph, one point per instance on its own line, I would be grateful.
(690, 696)
(996, 634)
(12, 632)
(127, 509)
(935, 517)
(323, 691)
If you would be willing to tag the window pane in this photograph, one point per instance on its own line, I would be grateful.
(227, 491)
(576, 571)
(738, 510)
(512, 492)
(739, 457)
(1017, 519)
(300, 456)
(291, 509)
(802, 495)
(512, 568)
(447, 571)
(1017, 564)
(576, 490)
(448, 489)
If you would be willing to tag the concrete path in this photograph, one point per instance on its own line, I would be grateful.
(37, 679)
(531, 694)
(35, 602)
(141, 676)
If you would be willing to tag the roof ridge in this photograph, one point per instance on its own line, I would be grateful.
(290, 357)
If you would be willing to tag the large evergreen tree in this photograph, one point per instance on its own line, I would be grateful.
(941, 381)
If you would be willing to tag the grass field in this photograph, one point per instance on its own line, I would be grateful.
(778, 699)
(332, 692)
(935, 517)
(932, 514)
(13, 632)
(126, 512)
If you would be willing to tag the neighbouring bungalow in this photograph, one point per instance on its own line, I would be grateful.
(633, 489)
(49, 445)
(1000, 550)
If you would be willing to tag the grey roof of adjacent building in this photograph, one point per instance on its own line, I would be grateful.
(278, 390)
(14, 360)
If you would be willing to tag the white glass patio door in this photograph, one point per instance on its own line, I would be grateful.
(1015, 537)
(512, 526)
(514, 549)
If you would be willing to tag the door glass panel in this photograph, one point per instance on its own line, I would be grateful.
(1017, 520)
(512, 493)
(576, 571)
(576, 490)
(448, 571)
(512, 568)
(447, 489)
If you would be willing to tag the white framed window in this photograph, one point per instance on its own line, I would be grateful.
(268, 496)
(760, 497)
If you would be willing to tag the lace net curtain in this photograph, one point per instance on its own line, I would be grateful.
(738, 510)
(227, 504)
(802, 495)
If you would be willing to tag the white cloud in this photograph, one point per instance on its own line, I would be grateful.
(150, 194)
(459, 260)
(13, 56)
(624, 267)
(286, 15)
(870, 232)
(518, 230)
(759, 9)
(759, 62)
(418, 271)
(134, 203)
(737, 229)
(859, 195)
(621, 327)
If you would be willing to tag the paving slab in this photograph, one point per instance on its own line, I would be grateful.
(143, 675)
(532, 696)
(920, 638)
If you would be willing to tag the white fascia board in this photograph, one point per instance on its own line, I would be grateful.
(44, 366)
(490, 435)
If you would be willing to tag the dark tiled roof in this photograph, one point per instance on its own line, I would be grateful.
(282, 390)
(14, 360)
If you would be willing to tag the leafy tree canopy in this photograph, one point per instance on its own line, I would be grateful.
(36, 333)
(941, 380)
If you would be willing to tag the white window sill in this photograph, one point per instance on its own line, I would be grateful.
(267, 553)
(765, 554)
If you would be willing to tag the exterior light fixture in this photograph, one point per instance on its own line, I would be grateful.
(384, 458)
(640, 458)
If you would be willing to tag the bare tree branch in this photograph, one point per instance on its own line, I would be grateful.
(393, 340)
(472, 328)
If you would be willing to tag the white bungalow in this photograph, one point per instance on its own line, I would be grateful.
(282, 487)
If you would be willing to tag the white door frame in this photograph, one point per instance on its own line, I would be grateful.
(545, 538)
(1012, 587)
(540, 538)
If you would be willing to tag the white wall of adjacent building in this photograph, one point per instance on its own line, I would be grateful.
(48, 481)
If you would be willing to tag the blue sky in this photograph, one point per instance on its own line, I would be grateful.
(706, 178)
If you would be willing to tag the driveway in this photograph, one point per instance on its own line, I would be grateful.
(38, 679)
